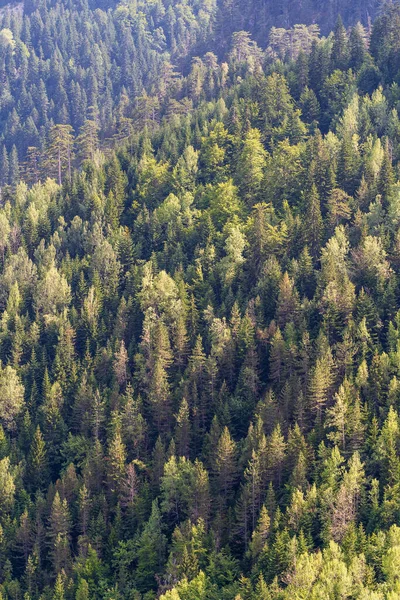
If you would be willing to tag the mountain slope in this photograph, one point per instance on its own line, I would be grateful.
(200, 332)
(65, 62)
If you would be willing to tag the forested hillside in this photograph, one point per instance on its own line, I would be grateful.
(106, 67)
(199, 306)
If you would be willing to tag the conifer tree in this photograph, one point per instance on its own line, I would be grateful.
(32, 167)
(37, 473)
(340, 48)
(251, 165)
(150, 551)
(14, 170)
(357, 44)
(182, 435)
(88, 139)
(4, 167)
(59, 154)
(116, 464)
(225, 464)
(313, 223)
(59, 535)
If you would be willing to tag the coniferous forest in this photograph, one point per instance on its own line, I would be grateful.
(199, 300)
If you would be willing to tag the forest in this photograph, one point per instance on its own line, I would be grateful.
(199, 300)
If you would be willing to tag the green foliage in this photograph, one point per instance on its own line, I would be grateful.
(199, 320)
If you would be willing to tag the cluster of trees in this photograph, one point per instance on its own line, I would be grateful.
(69, 63)
(200, 336)
(258, 16)
(106, 69)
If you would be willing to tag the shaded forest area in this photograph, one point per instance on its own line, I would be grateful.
(72, 62)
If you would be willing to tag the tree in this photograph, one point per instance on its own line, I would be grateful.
(59, 534)
(7, 486)
(198, 588)
(185, 171)
(225, 464)
(53, 294)
(11, 396)
(58, 593)
(340, 47)
(4, 167)
(38, 461)
(185, 489)
(182, 431)
(244, 49)
(251, 165)
(358, 48)
(120, 365)
(116, 464)
(339, 207)
(260, 534)
(288, 302)
(337, 416)
(224, 202)
(115, 183)
(276, 449)
(313, 223)
(349, 163)
(387, 444)
(254, 479)
(151, 549)
(320, 383)
(348, 498)
(310, 107)
(266, 236)
(87, 140)
(59, 153)
(386, 175)
(82, 591)
(153, 361)
(14, 170)
(32, 166)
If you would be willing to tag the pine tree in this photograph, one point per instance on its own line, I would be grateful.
(251, 165)
(87, 140)
(277, 357)
(358, 50)
(225, 464)
(386, 175)
(182, 431)
(120, 365)
(37, 473)
(340, 48)
(14, 176)
(59, 534)
(4, 167)
(115, 183)
(313, 223)
(310, 107)
(276, 450)
(320, 384)
(337, 416)
(116, 464)
(32, 167)
(59, 592)
(7, 486)
(349, 164)
(82, 591)
(260, 534)
(150, 551)
(59, 154)
(156, 348)
(253, 477)
(288, 302)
